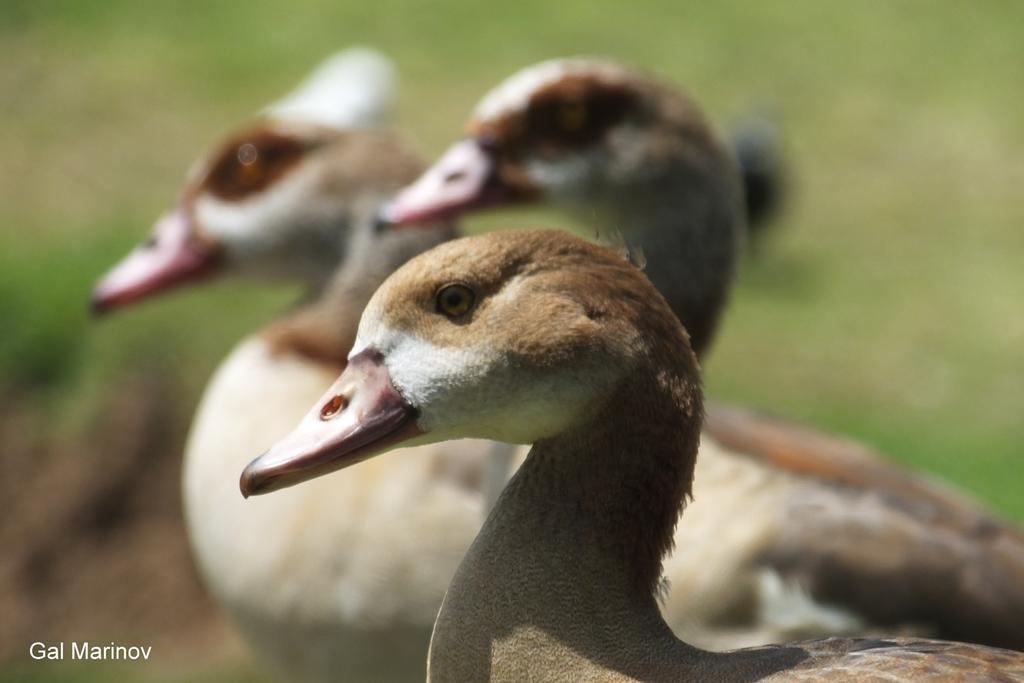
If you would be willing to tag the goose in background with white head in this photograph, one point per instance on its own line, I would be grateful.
(343, 578)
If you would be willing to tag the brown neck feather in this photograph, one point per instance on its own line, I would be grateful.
(688, 231)
(683, 208)
(325, 329)
(573, 548)
(626, 473)
(315, 332)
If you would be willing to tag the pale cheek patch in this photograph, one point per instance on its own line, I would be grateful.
(443, 383)
(429, 375)
(466, 392)
(257, 224)
(564, 176)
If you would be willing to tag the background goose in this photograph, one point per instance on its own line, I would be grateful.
(625, 152)
(345, 577)
(275, 199)
(632, 153)
(543, 338)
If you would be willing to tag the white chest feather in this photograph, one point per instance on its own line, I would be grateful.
(371, 547)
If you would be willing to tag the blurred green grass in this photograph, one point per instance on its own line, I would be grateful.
(887, 307)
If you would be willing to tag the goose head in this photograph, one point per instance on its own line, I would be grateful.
(569, 131)
(274, 200)
(516, 337)
(280, 196)
(618, 148)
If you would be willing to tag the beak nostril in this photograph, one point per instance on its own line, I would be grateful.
(333, 407)
(454, 176)
(150, 242)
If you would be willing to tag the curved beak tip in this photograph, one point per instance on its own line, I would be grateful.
(369, 416)
(384, 218)
(173, 255)
(249, 483)
(98, 306)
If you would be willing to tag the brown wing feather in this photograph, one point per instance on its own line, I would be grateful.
(898, 659)
(894, 547)
(810, 452)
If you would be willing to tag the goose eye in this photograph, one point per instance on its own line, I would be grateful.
(248, 164)
(572, 116)
(250, 167)
(454, 300)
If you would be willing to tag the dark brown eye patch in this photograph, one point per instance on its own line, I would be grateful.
(575, 113)
(248, 163)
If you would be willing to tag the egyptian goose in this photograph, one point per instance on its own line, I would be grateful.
(272, 199)
(541, 337)
(609, 145)
(296, 195)
(841, 541)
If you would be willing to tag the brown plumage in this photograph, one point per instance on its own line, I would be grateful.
(252, 160)
(559, 585)
(876, 539)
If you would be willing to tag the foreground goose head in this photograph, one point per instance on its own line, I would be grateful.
(542, 337)
(281, 196)
(615, 146)
(542, 314)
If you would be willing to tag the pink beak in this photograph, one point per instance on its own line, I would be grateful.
(361, 415)
(171, 256)
(463, 178)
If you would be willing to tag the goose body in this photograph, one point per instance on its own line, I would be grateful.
(542, 337)
(633, 154)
